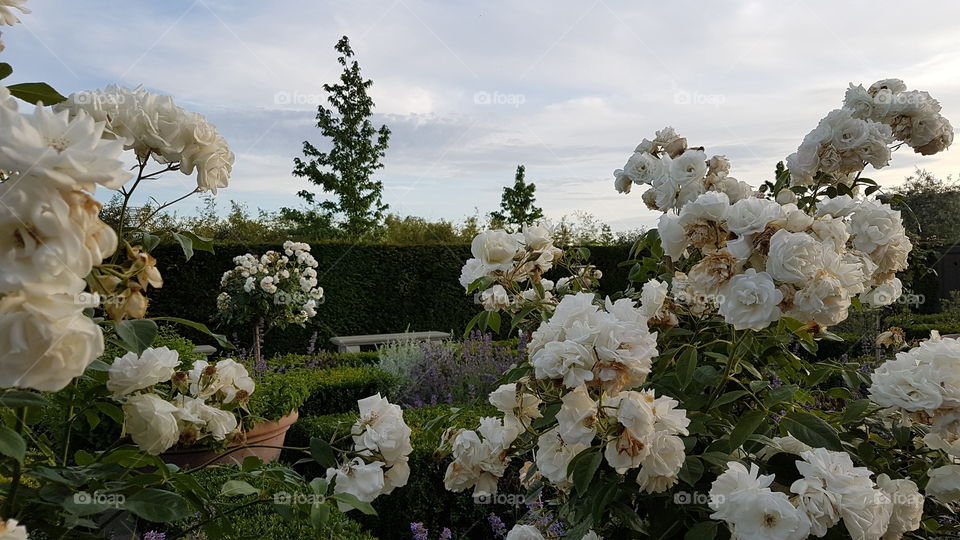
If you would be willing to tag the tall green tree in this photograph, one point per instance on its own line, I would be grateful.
(517, 206)
(346, 169)
(929, 206)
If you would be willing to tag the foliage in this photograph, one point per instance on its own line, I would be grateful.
(517, 204)
(277, 395)
(424, 496)
(337, 390)
(930, 206)
(411, 230)
(357, 148)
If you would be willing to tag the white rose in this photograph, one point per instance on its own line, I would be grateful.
(652, 296)
(752, 215)
(904, 382)
(131, 372)
(381, 429)
(736, 482)
(823, 299)
(768, 515)
(786, 196)
(645, 168)
(907, 506)
(518, 407)
(567, 360)
(794, 257)
(46, 340)
(673, 237)
(538, 236)
(553, 456)
(874, 224)
(883, 294)
(944, 483)
(151, 422)
(710, 206)
(750, 300)
(495, 298)
(10, 529)
(362, 480)
(577, 417)
(689, 167)
(496, 249)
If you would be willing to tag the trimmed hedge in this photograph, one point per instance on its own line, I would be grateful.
(337, 390)
(277, 394)
(918, 326)
(370, 289)
(424, 498)
(324, 360)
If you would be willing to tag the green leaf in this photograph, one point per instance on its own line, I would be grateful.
(692, 470)
(353, 501)
(21, 398)
(855, 410)
(319, 485)
(36, 92)
(583, 467)
(200, 243)
(812, 430)
(111, 410)
(705, 530)
(686, 366)
(730, 397)
(137, 335)
(319, 514)
(5, 70)
(186, 244)
(83, 458)
(157, 505)
(748, 423)
(12, 444)
(200, 327)
(781, 394)
(150, 241)
(236, 488)
(322, 452)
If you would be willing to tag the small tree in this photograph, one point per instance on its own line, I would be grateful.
(517, 203)
(357, 148)
(930, 207)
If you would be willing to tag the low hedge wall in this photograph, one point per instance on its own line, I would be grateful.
(918, 326)
(424, 498)
(337, 390)
(369, 289)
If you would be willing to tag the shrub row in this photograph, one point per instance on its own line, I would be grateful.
(336, 390)
(369, 289)
(918, 326)
(424, 498)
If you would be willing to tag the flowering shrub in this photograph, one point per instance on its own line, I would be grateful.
(272, 291)
(713, 417)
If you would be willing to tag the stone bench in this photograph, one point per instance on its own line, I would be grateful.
(205, 350)
(351, 344)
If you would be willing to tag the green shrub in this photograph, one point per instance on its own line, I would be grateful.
(169, 336)
(424, 498)
(260, 521)
(337, 390)
(370, 289)
(277, 394)
(324, 360)
(918, 326)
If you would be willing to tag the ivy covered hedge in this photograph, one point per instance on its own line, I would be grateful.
(424, 498)
(369, 289)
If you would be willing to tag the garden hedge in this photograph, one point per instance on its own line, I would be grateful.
(424, 498)
(336, 390)
(918, 326)
(369, 289)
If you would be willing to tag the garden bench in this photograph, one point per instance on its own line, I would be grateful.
(206, 350)
(353, 343)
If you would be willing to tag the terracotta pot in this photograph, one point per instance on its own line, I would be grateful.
(267, 433)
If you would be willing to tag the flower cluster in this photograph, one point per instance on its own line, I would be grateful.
(924, 383)
(586, 360)
(280, 287)
(531, 532)
(761, 259)
(830, 490)
(676, 174)
(51, 238)
(862, 132)
(153, 125)
(381, 440)
(502, 262)
(913, 116)
(190, 408)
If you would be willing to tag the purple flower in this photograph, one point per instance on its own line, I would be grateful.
(154, 535)
(446, 534)
(418, 530)
(497, 526)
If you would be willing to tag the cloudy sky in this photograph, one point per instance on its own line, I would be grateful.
(471, 89)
